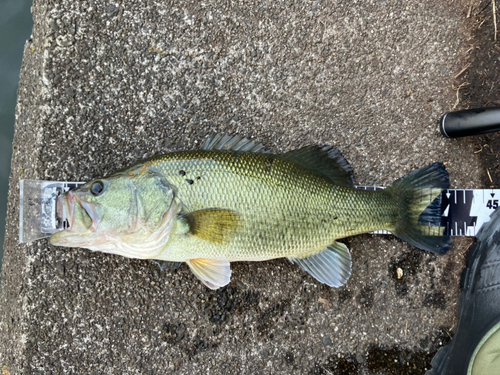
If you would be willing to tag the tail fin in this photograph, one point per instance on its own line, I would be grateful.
(418, 196)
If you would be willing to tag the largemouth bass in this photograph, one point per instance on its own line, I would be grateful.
(231, 201)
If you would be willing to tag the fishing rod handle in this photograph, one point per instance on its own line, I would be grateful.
(470, 122)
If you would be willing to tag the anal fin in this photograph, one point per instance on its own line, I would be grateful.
(214, 273)
(331, 266)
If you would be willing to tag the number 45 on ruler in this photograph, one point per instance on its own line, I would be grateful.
(492, 204)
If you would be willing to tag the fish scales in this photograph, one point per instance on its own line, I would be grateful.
(286, 209)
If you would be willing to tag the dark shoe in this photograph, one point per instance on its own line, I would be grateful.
(479, 304)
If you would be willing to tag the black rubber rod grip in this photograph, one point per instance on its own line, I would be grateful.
(470, 122)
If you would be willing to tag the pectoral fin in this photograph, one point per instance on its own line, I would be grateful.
(331, 266)
(214, 273)
(213, 224)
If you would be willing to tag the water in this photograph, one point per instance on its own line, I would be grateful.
(15, 28)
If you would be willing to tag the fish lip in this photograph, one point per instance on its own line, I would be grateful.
(66, 205)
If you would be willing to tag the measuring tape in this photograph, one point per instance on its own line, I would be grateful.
(464, 210)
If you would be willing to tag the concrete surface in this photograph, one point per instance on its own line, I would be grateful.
(105, 83)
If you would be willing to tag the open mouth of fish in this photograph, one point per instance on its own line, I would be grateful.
(80, 220)
(67, 206)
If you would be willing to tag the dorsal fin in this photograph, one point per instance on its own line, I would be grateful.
(232, 143)
(326, 161)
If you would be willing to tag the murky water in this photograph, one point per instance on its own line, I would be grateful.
(15, 28)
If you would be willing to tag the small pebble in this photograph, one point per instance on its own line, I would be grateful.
(399, 272)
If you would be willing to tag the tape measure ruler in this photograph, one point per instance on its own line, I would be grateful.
(464, 210)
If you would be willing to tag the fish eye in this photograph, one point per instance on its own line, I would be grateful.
(97, 188)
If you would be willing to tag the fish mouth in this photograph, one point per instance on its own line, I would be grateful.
(65, 208)
(81, 218)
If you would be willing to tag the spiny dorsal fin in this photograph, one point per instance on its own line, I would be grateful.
(213, 224)
(214, 273)
(232, 143)
(331, 266)
(326, 161)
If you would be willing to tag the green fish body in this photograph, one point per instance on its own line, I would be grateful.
(229, 201)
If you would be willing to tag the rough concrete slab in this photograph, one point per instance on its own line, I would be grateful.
(105, 83)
